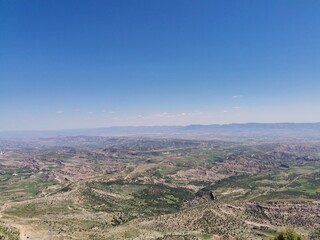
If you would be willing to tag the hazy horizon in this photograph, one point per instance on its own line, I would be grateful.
(282, 126)
(92, 64)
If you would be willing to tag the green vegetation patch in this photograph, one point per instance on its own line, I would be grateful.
(282, 184)
(8, 233)
(57, 155)
(136, 198)
(39, 209)
(216, 157)
(17, 187)
(288, 234)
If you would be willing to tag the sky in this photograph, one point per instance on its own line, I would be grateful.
(68, 64)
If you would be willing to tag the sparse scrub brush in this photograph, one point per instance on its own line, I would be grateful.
(288, 234)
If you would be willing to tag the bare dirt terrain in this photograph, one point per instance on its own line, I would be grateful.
(147, 188)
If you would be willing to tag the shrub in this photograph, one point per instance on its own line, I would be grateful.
(288, 234)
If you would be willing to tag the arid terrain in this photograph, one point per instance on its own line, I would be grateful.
(90, 187)
(159, 120)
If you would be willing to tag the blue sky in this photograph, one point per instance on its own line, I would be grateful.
(78, 64)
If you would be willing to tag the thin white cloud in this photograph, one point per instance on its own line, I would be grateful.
(59, 112)
(168, 115)
(236, 107)
(237, 96)
(106, 111)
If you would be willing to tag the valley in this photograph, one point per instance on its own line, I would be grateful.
(95, 187)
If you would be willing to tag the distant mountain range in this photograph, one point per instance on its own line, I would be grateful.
(235, 129)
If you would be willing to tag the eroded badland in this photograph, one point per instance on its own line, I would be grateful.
(85, 187)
